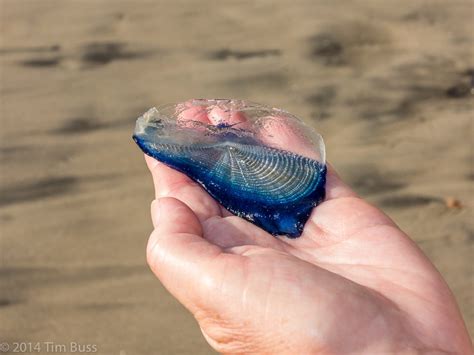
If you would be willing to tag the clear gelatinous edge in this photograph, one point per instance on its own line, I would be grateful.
(304, 139)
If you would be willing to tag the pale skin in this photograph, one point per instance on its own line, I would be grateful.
(353, 283)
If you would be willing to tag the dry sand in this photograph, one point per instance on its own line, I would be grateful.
(386, 83)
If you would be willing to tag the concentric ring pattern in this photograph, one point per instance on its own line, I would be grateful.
(271, 176)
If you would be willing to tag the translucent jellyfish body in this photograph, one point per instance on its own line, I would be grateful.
(262, 164)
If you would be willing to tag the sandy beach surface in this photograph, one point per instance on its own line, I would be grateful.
(388, 84)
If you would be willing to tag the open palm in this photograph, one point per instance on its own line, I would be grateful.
(352, 283)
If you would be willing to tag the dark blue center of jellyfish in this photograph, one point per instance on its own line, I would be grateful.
(272, 188)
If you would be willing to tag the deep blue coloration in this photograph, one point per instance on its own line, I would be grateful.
(272, 188)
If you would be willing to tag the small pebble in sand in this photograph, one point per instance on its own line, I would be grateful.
(452, 202)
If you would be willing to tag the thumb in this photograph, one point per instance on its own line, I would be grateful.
(178, 254)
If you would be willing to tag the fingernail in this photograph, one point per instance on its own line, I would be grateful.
(155, 212)
(151, 162)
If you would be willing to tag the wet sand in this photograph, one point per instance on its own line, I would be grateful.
(388, 86)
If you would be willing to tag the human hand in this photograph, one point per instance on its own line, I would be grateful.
(352, 283)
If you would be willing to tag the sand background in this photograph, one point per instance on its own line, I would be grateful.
(388, 84)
